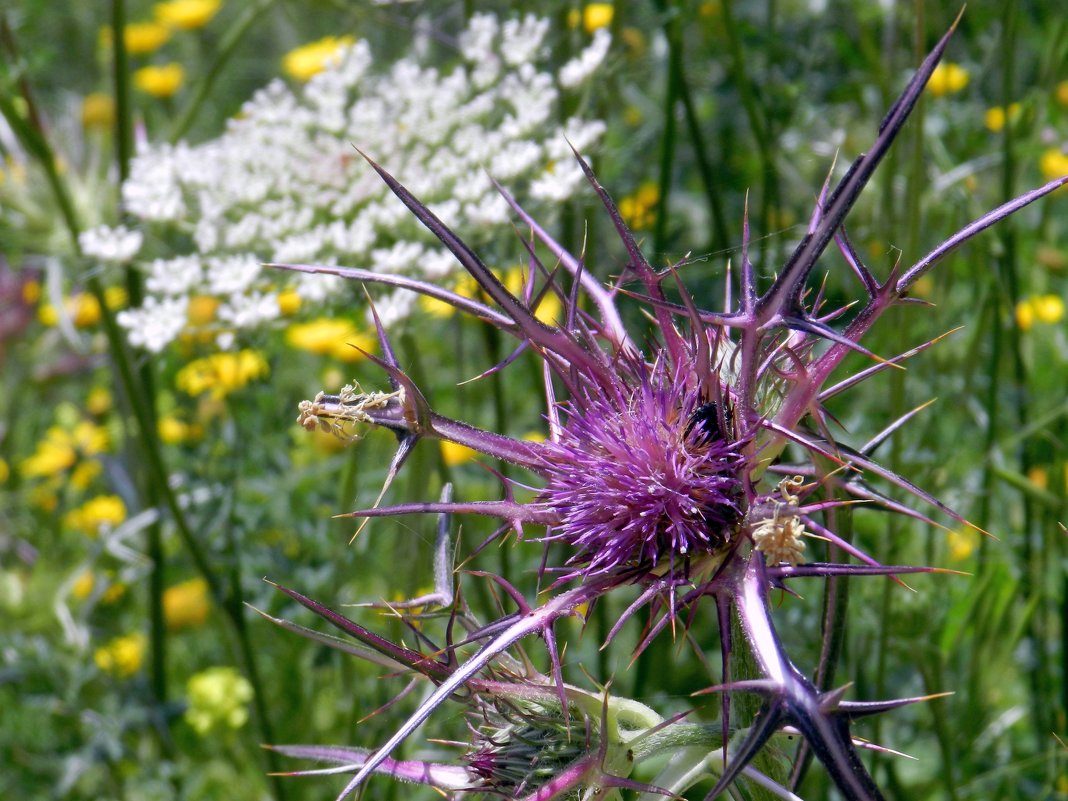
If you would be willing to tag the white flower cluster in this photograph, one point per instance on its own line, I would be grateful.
(110, 245)
(284, 182)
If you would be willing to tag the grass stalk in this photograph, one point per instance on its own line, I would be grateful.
(227, 47)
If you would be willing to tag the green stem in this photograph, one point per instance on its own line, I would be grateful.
(759, 124)
(704, 166)
(1033, 559)
(234, 607)
(673, 31)
(227, 47)
(492, 342)
(121, 80)
(134, 289)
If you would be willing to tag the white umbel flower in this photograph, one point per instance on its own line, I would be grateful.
(283, 182)
(579, 69)
(112, 245)
(155, 324)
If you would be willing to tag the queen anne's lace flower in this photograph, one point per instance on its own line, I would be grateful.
(115, 245)
(284, 184)
(156, 323)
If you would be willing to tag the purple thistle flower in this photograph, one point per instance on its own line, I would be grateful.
(643, 475)
(661, 468)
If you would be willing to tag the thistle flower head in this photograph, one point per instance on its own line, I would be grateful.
(643, 475)
(661, 457)
(518, 750)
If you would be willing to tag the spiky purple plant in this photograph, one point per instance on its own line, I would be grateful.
(662, 465)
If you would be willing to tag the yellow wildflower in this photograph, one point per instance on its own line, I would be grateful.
(1025, 315)
(101, 513)
(453, 454)
(639, 209)
(186, 15)
(82, 587)
(221, 373)
(174, 431)
(947, 79)
(1061, 93)
(218, 697)
(962, 543)
(466, 287)
(86, 310)
(201, 310)
(54, 454)
(82, 309)
(289, 302)
(122, 656)
(549, 310)
(171, 430)
(159, 80)
(61, 446)
(47, 315)
(115, 297)
(1039, 477)
(84, 473)
(1053, 164)
(5, 471)
(597, 15)
(89, 438)
(144, 37)
(330, 337)
(31, 292)
(311, 59)
(99, 401)
(996, 117)
(98, 112)
(534, 436)
(1048, 309)
(186, 604)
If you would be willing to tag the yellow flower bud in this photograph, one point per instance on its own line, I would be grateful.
(186, 604)
(122, 656)
(948, 78)
(159, 80)
(453, 454)
(98, 112)
(186, 15)
(308, 60)
(144, 37)
(597, 15)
